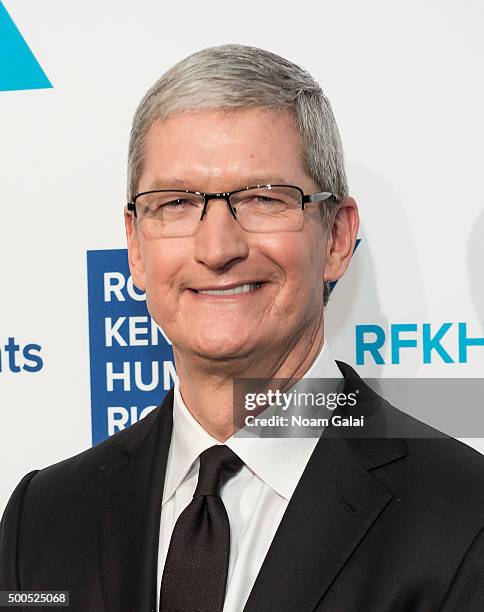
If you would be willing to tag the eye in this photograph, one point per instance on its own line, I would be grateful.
(261, 200)
(267, 203)
(265, 199)
(178, 203)
(162, 206)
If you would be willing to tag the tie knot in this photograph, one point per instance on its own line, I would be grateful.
(217, 465)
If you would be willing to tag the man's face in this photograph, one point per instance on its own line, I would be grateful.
(216, 151)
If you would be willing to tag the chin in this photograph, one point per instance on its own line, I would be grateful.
(221, 347)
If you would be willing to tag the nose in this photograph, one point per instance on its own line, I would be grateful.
(219, 240)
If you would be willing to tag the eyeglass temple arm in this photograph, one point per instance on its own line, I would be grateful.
(317, 197)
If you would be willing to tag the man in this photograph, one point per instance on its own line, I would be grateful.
(177, 512)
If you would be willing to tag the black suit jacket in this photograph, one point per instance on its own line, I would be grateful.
(375, 524)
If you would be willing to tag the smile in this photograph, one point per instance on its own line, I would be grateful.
(246, 288)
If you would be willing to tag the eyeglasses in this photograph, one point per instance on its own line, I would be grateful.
(261, 208)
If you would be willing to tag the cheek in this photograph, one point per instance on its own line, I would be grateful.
(162, 265)
(301, 262)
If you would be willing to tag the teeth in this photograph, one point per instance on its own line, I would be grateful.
(233, 291)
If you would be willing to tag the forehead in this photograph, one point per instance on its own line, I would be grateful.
(229, 148)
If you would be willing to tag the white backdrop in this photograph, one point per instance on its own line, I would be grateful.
(404, 82)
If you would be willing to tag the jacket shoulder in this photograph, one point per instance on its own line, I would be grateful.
(99, 457)
(433, 459)
(77, 473)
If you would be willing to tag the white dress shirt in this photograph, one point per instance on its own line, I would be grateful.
(255, 499)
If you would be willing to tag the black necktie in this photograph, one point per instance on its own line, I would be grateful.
(195, 572)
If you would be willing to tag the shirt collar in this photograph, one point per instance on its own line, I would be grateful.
(264, 456)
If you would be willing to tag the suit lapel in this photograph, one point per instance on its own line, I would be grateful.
(335, 503)
(130, 490)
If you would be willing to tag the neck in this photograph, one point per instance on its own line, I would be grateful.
(208, 391)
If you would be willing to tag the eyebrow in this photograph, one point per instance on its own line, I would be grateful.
(168, 183)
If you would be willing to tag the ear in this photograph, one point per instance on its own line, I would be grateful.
(341, 241)
(135, 258)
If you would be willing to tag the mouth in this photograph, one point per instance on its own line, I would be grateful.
(231, 290)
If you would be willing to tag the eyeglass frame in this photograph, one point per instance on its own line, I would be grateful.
(321, 196)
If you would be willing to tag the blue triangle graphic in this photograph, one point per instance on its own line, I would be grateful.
(18, 67)
(332, 284)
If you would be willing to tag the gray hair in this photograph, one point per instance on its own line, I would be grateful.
(239, 76)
